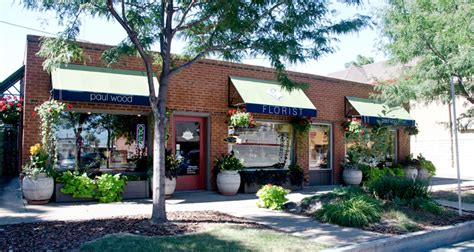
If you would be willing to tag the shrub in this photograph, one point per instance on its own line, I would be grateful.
(390, 187)
(264, 176)
(370, 174)
(428, 205)
(110, 187)
(358, 211)
(228, 162)
(79, 186)
(271, 196)
(428, 165)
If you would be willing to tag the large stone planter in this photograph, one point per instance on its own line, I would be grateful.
(170, 186)
(228, 182)
(38, 190)
(411, 172)
(136, 189)
(423, 174)
(352, 176)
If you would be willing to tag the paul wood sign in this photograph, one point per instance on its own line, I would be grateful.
(279, 110)
(96, 97)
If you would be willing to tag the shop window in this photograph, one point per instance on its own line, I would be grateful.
(101, 142)
(265, 145)
(320, 147)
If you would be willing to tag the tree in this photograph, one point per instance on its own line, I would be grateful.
(360, 61)
(284, 31)
(439, 36)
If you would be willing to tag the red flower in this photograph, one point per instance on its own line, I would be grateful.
(18, 105)
(69, 106)
(362, 132)
(22, 100)
(33, 114)
(50, 110)
(10, 104)
(2, 108)
(9, 97)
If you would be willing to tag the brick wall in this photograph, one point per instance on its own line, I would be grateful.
(203, 88)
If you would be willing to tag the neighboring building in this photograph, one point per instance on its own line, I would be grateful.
(199, 100)
(435, 139)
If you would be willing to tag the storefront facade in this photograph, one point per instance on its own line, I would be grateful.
(199, 99)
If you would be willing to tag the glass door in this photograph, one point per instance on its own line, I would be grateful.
(189, 140)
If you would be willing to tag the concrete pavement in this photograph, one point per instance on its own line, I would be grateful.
(241, 205)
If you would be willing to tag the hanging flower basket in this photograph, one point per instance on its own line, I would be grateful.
(239, 118)
(10, 109)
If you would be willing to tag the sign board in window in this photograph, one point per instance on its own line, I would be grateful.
(141, 136)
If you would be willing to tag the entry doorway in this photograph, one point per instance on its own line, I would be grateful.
(189, 145)
(320, 154)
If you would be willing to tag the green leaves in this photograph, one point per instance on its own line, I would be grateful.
(106, 188)
(435, 39)
(272, 197)
(57, 51)
(228, 162)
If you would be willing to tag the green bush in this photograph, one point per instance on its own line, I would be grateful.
(228, 162)
(79, 186)
(358, 211)
(390, 188)
(271, 196)
(371, 173)
(428, 205)
(110, 187)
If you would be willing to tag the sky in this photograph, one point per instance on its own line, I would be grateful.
(12, 43)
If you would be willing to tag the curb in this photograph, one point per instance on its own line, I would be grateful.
(422, 240)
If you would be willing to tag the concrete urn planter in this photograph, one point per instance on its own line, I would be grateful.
(38, 190)
(228, 182)
(411, 172)
(170, 186)
(352, 176)
(423, 174)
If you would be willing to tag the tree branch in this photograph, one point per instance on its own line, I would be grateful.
(185, 14)
(134, 38)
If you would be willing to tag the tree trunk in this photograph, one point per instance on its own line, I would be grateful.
(159, 139)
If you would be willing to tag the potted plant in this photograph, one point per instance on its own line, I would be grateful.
(240, 118)
(228, 178)
(171, 172)
(411, 167)
(426, 169)
(352, 175)
(38, 183)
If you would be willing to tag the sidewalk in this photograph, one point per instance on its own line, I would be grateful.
(454, 204)
(242, 205)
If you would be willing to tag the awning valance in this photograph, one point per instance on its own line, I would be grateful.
(268, 97)
(373, 112)
(100, 85)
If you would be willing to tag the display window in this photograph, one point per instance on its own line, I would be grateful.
(101, 142)
(267, 144)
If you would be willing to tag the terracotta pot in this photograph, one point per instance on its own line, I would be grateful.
(170, 186)
(352, 176)
(423, 174)
(38, 190)
(228, 182)
(411, 172)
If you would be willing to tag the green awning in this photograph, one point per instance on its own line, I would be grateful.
(268, 97)
(100, 85)
(373, 112)
(12, 79)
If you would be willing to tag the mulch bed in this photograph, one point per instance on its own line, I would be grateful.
(66, 235)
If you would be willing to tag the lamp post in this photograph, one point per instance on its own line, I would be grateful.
(456, 145)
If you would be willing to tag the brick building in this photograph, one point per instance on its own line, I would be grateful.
(199, 99)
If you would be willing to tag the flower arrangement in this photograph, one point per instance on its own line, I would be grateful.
(38, 162)
(10, 109)
(240, 118)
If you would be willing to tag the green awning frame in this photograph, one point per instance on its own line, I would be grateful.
(100, 85)
(268, 97)
(374, 112)
(11, 80)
